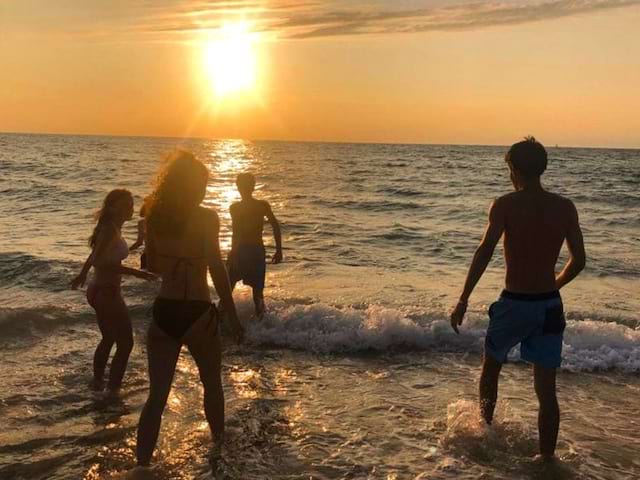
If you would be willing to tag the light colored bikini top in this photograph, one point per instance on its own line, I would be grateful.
(119, 251)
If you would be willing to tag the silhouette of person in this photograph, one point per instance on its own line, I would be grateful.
(535, 224)
(247, 259)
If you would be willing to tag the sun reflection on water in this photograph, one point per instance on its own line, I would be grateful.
(226, 160)
(246, 382)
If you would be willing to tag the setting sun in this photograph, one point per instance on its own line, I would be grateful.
(230, 59)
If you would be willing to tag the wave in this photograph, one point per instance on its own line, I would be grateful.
(369, 205)
(320, 328)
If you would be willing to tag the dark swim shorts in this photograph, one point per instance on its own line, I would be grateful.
(535, 321)
(248, 263)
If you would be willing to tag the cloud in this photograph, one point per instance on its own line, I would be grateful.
(174, 20)
(458, 17)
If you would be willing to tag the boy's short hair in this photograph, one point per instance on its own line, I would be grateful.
(528, 157)
(246, 181)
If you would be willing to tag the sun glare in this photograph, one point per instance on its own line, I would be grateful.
(230, 59)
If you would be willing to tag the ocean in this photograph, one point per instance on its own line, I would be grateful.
(354, 373)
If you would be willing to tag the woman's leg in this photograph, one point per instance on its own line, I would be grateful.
(162, 352)
(101, 355)
(204, 344)
(258, 302)
(116, 327)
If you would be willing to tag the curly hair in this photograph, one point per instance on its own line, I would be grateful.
(106, 213)
(179, 189)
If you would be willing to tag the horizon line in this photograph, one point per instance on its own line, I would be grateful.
(346, 142)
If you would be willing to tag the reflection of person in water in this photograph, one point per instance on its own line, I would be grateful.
(246, 260)
(140, 240)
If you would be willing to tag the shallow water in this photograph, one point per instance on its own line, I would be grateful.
(324, 416)
(354, 373)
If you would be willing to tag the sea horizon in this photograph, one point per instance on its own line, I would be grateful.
(330, 142)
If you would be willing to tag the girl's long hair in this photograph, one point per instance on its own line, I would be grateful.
(107, 212)
(180, 188)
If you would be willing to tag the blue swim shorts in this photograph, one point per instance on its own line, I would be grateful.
(247, 263)
(535, 321)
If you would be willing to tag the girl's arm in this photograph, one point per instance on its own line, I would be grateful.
(140, 240)
(80, 280)
(134, 272)
(219, 276)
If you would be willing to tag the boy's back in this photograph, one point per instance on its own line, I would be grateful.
(247, 220)
(247, 256)
(536, 224)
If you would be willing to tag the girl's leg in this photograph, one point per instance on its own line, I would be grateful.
(101, 356)
(124, 345)
(258, 302)
(204, 345)
(162, 352)
(118, 325)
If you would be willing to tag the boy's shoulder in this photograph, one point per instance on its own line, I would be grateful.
(514, 199)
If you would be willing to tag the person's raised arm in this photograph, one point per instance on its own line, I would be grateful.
(140, 240)
(575, 244)
(277, 234)
(481, 259)
(219, 275)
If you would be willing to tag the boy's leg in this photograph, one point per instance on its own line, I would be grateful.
(489, 387)
(549, 413)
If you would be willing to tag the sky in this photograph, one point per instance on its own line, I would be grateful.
(405, 71)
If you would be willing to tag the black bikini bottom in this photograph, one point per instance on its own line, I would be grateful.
(175, 317)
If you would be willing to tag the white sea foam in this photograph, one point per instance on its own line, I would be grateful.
(322, 328)
(588, 345)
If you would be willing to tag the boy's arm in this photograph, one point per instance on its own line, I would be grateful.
(575, 244)
(277, 234)
(481, 259)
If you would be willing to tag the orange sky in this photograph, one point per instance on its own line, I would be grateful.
(362, 70)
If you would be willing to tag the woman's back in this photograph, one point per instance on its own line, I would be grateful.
(182, 260)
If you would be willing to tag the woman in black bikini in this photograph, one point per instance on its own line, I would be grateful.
(182, 243)
(108, 249)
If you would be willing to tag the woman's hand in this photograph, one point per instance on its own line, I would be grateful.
(78, 281)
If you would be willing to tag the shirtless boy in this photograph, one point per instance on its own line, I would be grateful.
(535, 224)
(247, 259)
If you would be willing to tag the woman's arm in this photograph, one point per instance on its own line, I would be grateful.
(105, 236)
(80, 280)
(135, 272)
(219, 275)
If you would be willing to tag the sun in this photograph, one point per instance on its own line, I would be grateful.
(230, 59)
